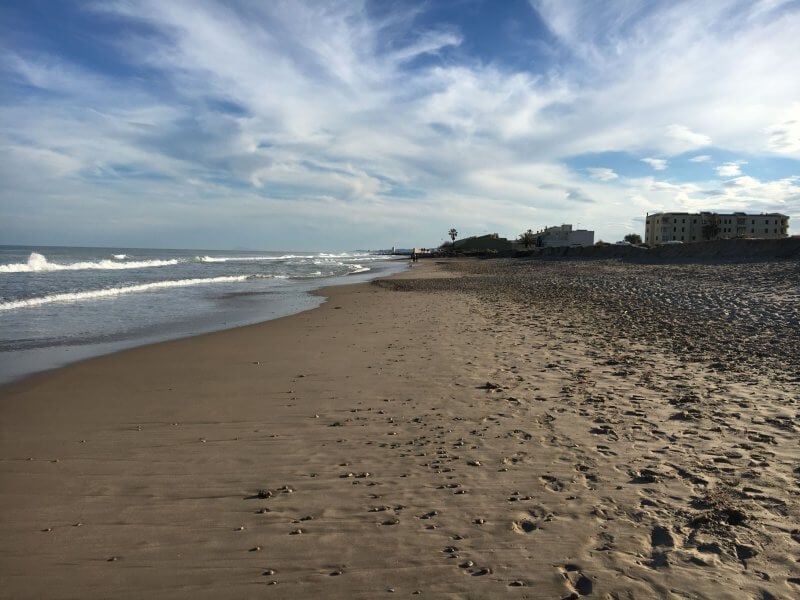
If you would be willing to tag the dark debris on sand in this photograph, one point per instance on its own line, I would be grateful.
(726, 315)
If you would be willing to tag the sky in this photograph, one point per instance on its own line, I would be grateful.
(340, 125)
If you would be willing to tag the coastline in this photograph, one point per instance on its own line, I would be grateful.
(235, 310)
(428, 433)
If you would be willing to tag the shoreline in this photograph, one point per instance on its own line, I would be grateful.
(18, 365)
(447, 432)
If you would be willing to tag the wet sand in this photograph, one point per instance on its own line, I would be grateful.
(473, 429)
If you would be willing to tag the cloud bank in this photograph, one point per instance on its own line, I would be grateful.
(315, 125)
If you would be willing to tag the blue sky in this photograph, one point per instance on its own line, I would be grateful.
(342, 125)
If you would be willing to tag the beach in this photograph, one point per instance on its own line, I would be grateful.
(59, 305)
(464, 429)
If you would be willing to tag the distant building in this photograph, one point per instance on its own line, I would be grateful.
(563, 235)
(491, 242)
(697, 227)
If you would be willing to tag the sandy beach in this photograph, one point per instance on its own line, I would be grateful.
(465, 429)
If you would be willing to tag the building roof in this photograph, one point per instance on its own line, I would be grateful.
(708, 212)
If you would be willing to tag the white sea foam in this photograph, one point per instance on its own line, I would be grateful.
(340, 255)
(359, 269)
(319, 258)
(118, 291)
(215, 259)
(209, 259)
(39, 263)
(346, 257)
(368, 258)
(120, 256)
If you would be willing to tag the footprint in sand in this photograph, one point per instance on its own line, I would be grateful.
(524, 526)
(579, 583)
(662, 541)
(552, 483)
(531, 521)
(605, 450)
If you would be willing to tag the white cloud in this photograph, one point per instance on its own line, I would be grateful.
(602, 173)
(684, 139)
(337, 112)
(729, 169)
(753, 195)
(658, 164)
(693, 71)
(784, 135)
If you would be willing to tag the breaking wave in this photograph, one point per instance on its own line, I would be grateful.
(222, 259)
(38, 263)
(118, 291)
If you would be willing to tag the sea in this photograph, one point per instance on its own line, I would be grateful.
(63, 304)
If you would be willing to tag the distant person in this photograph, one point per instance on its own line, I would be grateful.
(413, 256)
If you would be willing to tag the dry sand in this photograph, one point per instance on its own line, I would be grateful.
(492, 429)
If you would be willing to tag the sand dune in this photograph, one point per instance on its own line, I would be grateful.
(467, 430)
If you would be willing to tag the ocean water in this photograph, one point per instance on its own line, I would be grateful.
(59, 305)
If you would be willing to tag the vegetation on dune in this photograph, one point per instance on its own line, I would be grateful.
(633, 238)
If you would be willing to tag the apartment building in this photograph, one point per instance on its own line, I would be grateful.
(697, 227)
(563, 235)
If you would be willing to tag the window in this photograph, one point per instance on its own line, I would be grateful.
(752, 230)
(753, 222)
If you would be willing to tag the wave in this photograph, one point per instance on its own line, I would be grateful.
(119, 291)
(348, 256)
(321, 258)
(220, 259)
(352, 269)
(340, 255)
(120, 256)
(38, 263)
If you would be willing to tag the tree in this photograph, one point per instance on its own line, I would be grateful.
(527, 238)
(633, 238)
(453, 235)
(711, 228)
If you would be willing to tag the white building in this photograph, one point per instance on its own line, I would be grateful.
(697, 227)
(563, 235)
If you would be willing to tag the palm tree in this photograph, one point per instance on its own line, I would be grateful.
(527, 238)
(453, 235)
